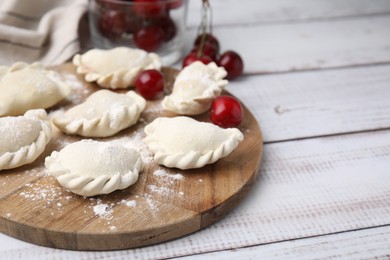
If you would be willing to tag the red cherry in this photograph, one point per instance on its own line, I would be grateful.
(112, 23)
(149, 38)
(168, 25)
(208, 50)
(232, 63)
(192, 57)
(209, 38)
(149, 83)
(226, 111)
(149, 8)
(133, 23)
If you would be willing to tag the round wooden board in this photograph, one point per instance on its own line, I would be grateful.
(164, 203)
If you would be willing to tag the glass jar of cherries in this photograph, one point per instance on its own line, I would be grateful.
(152, 25)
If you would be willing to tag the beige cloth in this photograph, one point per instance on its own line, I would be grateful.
(39, 30)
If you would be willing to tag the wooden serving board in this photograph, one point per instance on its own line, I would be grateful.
(164, 203)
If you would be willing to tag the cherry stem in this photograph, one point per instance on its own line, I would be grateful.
(206, 9)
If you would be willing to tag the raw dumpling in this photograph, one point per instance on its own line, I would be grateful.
(115, 68)
(23, 138)
(89, 168)
(185, 143)
(103, 114)
(195, 88)
(24, 87)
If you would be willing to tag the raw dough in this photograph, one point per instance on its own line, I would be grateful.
(195, 88)
(115, 68)
(23, 138)
(89, 168)
(103, 114)
(185, 143)
(25, 87)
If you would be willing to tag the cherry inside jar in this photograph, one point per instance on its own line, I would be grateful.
(152, 25)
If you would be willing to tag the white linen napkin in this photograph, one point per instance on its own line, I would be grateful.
(39, 30)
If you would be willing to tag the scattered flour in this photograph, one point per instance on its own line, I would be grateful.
(151, 203)
(40, 171)
(103, 210)
(51, 195)
(128, 203)
(160, 190)
(112, 228)
(166, 183)
(156, 107)
(163, 173)
(164, 191)
(77, 87)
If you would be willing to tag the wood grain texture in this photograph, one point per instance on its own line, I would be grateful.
(373, 243)
(237, 13)
(309, 104)
(163, 204)
(308, 46)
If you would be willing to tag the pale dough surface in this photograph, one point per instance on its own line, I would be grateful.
(194, 88)
(24, 87)
(182, 142)
(115, 68)
(23, 138)
(90, 168)
(103, 114)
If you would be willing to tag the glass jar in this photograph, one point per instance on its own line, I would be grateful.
(155, 26)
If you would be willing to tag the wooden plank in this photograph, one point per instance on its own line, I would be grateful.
(233, 12)
(307, 46)
(306, 188)
(363, 244)
(300, 105)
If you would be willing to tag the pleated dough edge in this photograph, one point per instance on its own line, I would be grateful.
(191, 159)
(31, 152)
(200, 104)
(119, 79)
(89, 186)
(102, 127)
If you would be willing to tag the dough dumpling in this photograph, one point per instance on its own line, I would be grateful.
(194, 89)
(23, 138)
(184, 143)
(103, 114)
(115, 68)
(90, 168)
(24, 87)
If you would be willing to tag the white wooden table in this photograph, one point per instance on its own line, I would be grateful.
(318, 82)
